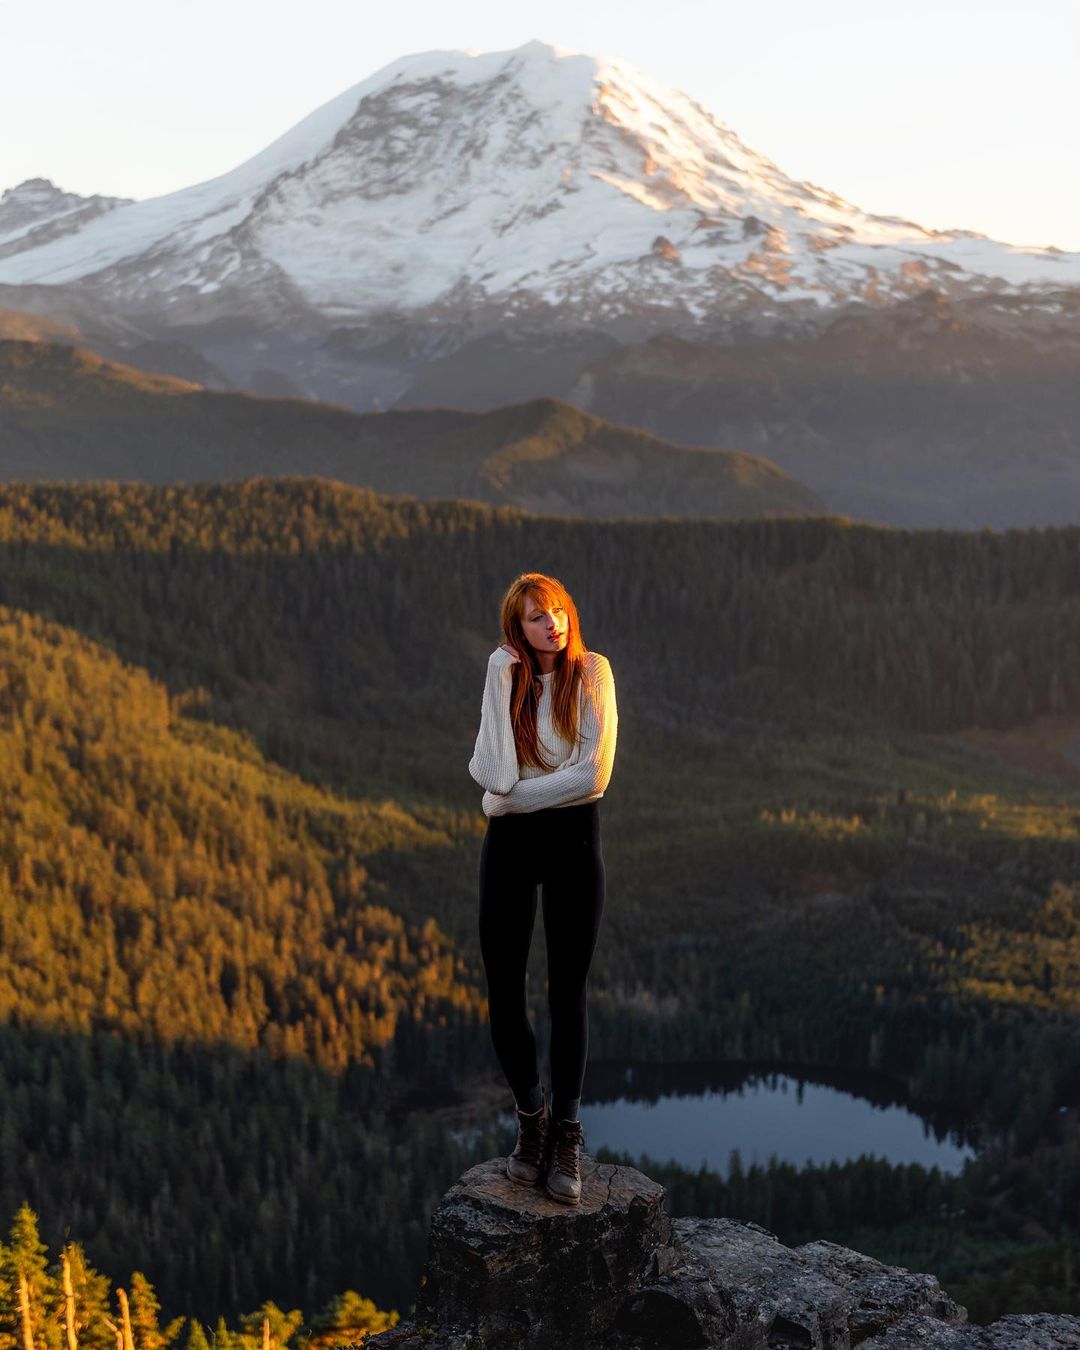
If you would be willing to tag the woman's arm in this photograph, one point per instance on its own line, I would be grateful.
(494, 763)
(589, 769)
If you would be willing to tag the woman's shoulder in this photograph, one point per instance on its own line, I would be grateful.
(597, 665)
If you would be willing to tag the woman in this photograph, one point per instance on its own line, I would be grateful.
(544, 754)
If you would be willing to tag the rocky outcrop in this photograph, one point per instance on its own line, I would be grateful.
(736, 1284)
(510, 1269)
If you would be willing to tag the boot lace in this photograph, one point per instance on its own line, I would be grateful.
(568, 1139)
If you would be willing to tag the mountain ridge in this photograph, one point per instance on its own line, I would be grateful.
(69, 413)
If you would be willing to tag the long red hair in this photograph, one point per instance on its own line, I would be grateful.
(569, 672)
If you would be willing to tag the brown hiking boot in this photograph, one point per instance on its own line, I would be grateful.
(526, 1164)
(563, 1181)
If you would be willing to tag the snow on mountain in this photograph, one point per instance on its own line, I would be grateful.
(508, 183)
(37, 211)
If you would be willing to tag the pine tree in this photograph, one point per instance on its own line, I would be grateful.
(145, 1329)
(348, 1318)
(28, 1290)
(281, 1325)
(196, 1336)
(88, 1303)
(223, 1338)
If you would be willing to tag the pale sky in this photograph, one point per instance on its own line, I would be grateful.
(955, 115)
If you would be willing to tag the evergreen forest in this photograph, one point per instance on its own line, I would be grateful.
(242, 1014)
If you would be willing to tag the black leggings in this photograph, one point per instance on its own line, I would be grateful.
(558, 848)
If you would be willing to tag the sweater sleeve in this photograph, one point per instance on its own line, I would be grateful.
(588, 771)
(494, 763)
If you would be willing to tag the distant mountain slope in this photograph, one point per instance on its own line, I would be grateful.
(67, 414)
(928, 414)
(15, 323)
(167, 356)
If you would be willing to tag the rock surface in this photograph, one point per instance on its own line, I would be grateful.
(735, 1284)
(511, 1264)
(510, 1269)
(1020, 1331)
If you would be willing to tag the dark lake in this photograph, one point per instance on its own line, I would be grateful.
(697, 1113)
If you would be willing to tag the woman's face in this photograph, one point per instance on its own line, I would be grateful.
(547, 629)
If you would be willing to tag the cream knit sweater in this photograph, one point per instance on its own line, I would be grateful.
(582, 771)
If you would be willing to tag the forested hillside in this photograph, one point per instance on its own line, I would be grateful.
(238, 965)
(184, 889)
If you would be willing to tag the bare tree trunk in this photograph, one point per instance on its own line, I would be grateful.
(24, 1305)
(125, 1319)
(116, 1332)
(69, 1301)
(266, 1333)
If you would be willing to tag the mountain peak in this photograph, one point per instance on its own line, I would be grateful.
(31, 187)
(503, 185)
(36, 202)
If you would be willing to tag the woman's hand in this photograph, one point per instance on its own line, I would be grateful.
(503, 658)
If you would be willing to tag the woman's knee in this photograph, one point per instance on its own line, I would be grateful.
(567, 998)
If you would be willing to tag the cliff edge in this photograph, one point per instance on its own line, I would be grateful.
(510, 1269)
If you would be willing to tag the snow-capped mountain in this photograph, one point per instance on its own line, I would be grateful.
(37, 212)
(536, 183)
